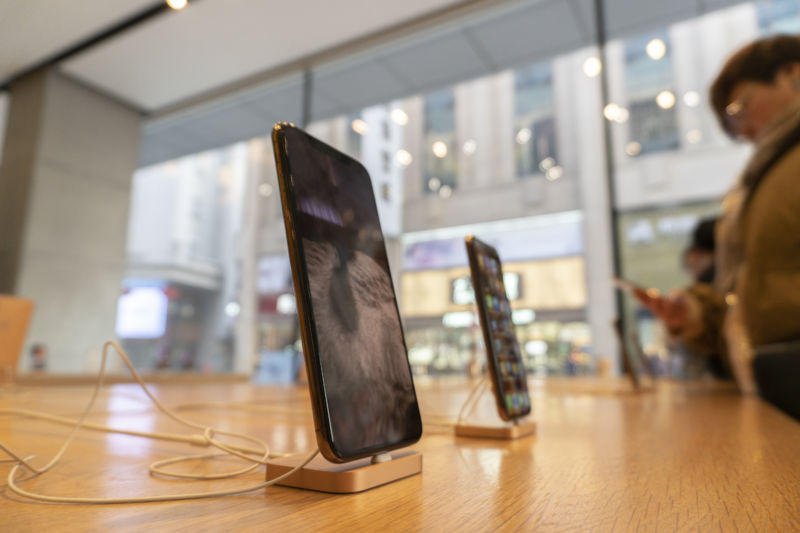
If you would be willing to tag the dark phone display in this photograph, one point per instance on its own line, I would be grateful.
(366, 379)
(502, 347)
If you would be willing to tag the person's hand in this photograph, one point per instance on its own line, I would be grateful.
(672, 309)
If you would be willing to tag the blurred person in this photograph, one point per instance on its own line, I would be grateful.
(752, 310)
(708, 351)
(38, 355)
(698, 258)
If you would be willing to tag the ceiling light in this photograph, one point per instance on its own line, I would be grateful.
(656, 49)
(177, 5)
(633, 148)
(232, 309)
(445, 191)
(546, 164)
(691, 98)
(403, 157)
(439, 149)
(665, 99)
(286, 304)
(611, 111)
(554, 173)
(265, 190)
(524, 135)
(615, 113)
(592, 67)
(359, 126)
(470, 146)
(399, 116)
(434, 184)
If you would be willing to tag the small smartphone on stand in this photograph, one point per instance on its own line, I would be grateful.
(359, 377)
(506, 367)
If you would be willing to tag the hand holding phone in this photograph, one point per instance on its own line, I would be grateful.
(641, 293)
(671, 309)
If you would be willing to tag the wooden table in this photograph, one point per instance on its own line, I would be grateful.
(678, 457)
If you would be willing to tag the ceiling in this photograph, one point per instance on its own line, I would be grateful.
(32, 31)
(215, 42)
(224, 71)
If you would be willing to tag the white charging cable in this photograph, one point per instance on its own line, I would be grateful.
(472, 399)
(208, 438)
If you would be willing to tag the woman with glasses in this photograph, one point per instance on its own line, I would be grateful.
(756, 97)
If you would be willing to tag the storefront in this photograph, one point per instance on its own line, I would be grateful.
(545, 278)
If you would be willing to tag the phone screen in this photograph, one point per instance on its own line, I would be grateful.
(502, 348)
(358, 353)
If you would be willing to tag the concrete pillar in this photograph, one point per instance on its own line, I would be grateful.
(65, 180)
(257, 156)
(600, 308)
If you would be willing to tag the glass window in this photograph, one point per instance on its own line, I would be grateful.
(653, 128)
(534, 123)
(439, 143)
(653, 121)
(778, 16)
(652, 241)
(182, 272)
(356, 127)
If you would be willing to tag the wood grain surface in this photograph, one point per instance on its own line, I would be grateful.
(676, 457)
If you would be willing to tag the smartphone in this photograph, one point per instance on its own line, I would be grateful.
(626, 285)
(359, 377)
(506, 368)
(638, 291)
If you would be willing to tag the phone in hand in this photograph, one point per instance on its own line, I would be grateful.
(506, 367)
(640, 292)
(359, 377)
(627, 285)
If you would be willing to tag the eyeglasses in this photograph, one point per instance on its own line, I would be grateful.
(736, 113)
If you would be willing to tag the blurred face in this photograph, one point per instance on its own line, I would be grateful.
(696, 262)
(755, 104)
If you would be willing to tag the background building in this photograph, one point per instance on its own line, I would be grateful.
(500, 119)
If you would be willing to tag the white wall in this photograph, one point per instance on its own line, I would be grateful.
(73, 247)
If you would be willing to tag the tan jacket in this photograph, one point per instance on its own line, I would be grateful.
(757, 257)
(768, 277)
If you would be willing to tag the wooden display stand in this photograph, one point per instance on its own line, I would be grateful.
(15, 314)
(497, 431)
(345, 478)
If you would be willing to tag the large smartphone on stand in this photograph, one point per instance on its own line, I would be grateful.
(506, 367)
(359, 377)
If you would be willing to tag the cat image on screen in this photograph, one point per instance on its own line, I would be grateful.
(355, 311)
